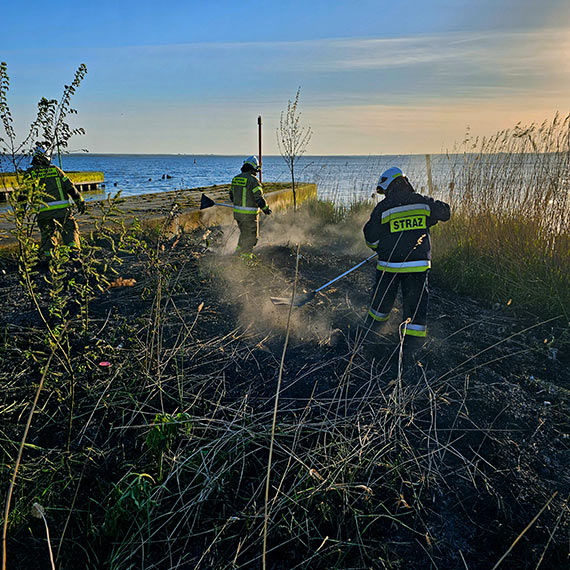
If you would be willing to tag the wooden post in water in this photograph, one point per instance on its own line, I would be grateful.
(429, 180)
(259, 136)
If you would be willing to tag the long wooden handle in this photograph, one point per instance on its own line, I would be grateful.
(259, 137)
(345, 273)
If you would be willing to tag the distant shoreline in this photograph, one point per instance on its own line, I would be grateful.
(242, 155)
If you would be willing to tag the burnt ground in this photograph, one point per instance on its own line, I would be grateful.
(488, 397)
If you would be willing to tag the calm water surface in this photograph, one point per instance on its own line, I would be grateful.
(338, 177)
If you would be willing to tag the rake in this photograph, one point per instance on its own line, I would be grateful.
(306, 297)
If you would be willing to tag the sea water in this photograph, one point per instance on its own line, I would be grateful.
(339, 178)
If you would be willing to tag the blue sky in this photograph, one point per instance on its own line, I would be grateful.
(376, 77)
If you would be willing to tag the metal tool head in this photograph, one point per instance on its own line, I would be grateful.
(298, 301)
(206, 202)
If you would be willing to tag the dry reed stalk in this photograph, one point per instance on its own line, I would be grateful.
(38, 512)
(276, 407)
(528, 526)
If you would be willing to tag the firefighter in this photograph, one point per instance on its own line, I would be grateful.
(54, 212)
(399, 231)
(246, 195)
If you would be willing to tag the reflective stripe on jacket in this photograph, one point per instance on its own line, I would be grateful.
(398, 229)
(246, 194)
(57, 188)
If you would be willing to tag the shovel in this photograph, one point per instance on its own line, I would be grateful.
(305, 298)
(206, 202)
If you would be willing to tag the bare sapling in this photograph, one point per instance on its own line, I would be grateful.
(293, 139)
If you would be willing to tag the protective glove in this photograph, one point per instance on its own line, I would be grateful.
(266, 210)
(81, 206)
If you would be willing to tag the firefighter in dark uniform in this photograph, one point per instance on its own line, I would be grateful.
(246, 195)
(399, 230)
(54, 212)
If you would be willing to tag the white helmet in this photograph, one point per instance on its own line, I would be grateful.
(40, 156)
(253, 162)
(387, 177)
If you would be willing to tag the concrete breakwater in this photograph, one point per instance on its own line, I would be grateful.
(84, 181)
(278, 196)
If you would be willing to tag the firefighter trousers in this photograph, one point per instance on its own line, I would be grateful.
(415, 294)
(61, 221)
(248, 232)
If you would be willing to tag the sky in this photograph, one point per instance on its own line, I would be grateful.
(375, 77)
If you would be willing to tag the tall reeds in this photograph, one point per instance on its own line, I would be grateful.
(508, 239)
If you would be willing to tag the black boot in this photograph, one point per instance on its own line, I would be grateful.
(412, 348)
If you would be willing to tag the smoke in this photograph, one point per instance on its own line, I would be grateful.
(249, 285)
(316, 225)
(327, 248)
(307, 228)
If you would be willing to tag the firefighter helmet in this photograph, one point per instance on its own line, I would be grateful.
(387, 177)
(40, 156)
(253, 162)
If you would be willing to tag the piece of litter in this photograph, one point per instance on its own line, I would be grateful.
(547, 403)
(104, 364)
(121, 282)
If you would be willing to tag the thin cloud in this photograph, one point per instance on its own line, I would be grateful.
(518, 48)
(528, 50)
(457, 61)
(430, 87)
